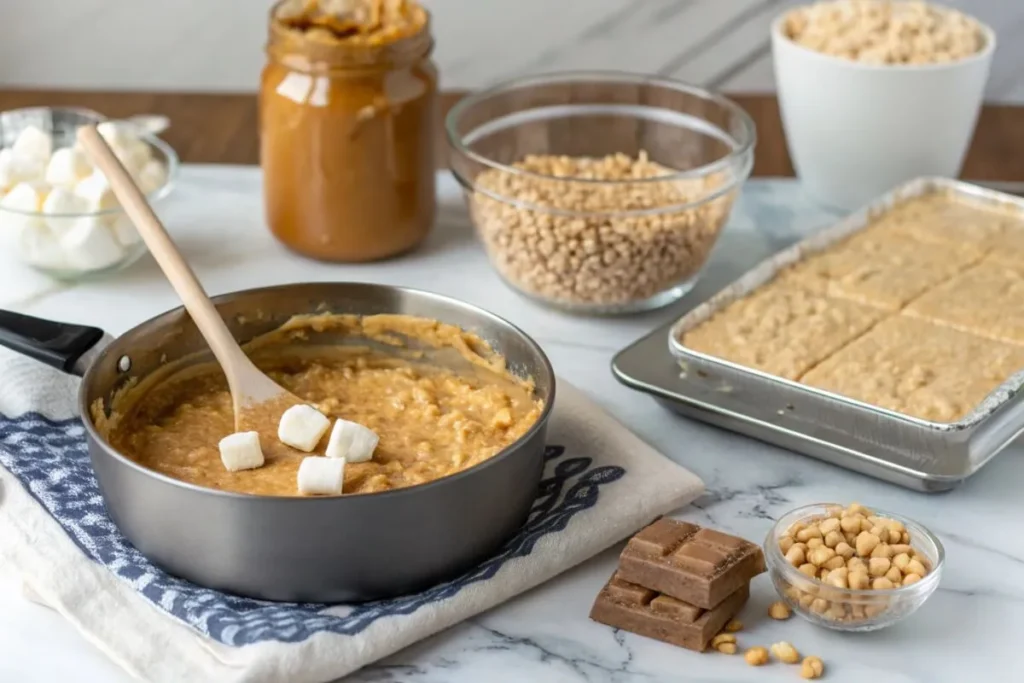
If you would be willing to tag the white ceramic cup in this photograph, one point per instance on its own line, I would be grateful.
(855, 131)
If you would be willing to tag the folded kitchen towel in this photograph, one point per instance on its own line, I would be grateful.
(600, 485)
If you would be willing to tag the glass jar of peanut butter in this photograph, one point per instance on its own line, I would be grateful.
(348, 108)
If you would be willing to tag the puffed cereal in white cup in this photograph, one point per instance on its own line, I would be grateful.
(857, 129)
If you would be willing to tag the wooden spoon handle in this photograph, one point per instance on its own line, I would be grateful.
(184, 281)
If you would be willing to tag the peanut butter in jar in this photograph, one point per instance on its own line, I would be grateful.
(348, 108)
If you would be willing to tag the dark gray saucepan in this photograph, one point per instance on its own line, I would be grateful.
(339, 549)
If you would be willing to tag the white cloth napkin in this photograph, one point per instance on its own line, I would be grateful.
(602, 484)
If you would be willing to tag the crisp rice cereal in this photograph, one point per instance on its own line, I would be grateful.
(885, 32)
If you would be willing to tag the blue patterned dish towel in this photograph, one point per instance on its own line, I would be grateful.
(600, 485)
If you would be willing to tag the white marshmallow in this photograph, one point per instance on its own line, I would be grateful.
(131, 151)
(62, 209)
(38, 246)
(33, 143)
(67, 167)
(241, 451)
(18, 220)
(63, 202)
(133, 157)
(124, 231)
(90, 245)
(302, 426)
(152, 176)
(321, 476)
(141, 152)
(113, 132)
(352, 441)
(95, 190)
(15, 169)
(27, 197)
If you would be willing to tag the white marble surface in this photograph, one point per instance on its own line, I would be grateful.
(202, 45)
(968, 629)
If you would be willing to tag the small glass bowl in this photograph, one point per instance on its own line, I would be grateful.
(62, 124)
(593, 245)
(845, 609)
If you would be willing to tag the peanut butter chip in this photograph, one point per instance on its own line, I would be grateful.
(756, 656)
(812, 667)
(879, 559)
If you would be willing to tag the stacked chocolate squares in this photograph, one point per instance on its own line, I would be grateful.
(679, 583)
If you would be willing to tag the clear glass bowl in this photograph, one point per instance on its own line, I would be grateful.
(62, 123)
(845, 609)
(600, 245)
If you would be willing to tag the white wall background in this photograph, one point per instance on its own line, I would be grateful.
(216, 45)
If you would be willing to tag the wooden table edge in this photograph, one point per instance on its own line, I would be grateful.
(223, 128)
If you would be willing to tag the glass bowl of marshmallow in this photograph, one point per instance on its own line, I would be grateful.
(58, 213)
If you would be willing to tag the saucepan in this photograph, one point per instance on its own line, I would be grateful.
(339, 549)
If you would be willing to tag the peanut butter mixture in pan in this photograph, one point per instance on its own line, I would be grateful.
(433, 419)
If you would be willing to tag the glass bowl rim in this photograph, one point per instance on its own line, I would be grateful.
(741, 147)
(173, 166)
(778, 563)
(84, 112)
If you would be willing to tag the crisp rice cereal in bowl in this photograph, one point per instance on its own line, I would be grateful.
(606, 241)
(599, 192)
(885, 32)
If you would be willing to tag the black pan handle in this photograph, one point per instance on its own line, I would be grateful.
(57, 344)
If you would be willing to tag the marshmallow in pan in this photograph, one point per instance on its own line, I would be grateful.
(90, 245)
(302, 426)
(33, 143)
(321, 476)
(352, 441)
(67, 167)
(241, 451)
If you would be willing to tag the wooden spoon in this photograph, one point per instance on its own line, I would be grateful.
(250, 387)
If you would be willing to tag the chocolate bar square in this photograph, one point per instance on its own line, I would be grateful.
(698, 566)
(647, 613)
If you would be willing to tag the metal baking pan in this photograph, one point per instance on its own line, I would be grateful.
(912, 452)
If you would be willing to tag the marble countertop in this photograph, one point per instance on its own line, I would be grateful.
(967, 628)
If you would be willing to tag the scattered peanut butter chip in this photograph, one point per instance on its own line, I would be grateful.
(812, 667)
(756, 656)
